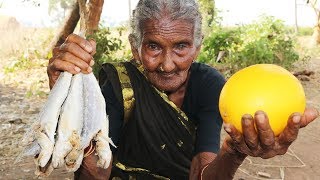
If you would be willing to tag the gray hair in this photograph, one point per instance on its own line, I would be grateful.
(157, 9)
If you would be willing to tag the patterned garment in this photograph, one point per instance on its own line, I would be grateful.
(157, 139)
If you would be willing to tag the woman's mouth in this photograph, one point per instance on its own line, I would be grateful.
(167, 75)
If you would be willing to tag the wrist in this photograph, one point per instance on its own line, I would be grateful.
(228, 148)
(224, 165)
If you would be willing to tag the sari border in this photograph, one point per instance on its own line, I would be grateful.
(126, 88)
(165, 97)
(132, 169)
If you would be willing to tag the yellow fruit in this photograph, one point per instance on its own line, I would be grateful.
(265, 87)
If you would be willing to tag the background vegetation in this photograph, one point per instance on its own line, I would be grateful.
(266, 40)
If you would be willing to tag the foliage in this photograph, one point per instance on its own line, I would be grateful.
(210, 15)
(24, 61)
(208, 11)
(26, 48)
(219, 40)
(24, 58)
(263, 41)
(110, 47)
(305, 31)
(36, 89)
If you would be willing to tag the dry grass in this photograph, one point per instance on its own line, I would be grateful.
(306, 48)
(19, 40)
(23, 58)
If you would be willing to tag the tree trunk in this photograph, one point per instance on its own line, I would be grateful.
(94, 8)
(316, 30)
(316, 35)
(296, 28)
(68, 26)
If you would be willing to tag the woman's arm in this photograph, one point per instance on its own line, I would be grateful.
(257, 140)
(224, 166)
(200, 161)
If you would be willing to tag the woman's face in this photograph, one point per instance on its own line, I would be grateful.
(167, 52)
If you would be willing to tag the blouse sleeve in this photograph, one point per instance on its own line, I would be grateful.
(208, 117)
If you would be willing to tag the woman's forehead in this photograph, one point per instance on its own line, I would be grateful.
(167, 27)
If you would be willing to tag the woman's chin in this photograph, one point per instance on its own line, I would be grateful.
(165, 83)
(168, 87)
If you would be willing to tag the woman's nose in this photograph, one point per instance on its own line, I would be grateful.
(168, 64)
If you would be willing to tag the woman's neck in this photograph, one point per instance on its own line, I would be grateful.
(177, 96)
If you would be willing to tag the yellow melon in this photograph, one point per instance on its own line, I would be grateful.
(265, 87)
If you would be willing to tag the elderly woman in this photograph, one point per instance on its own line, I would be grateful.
(163, 106)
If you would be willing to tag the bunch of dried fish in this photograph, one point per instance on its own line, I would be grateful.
(74, 115)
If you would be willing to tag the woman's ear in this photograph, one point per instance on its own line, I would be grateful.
(199, 47)
(134, 49)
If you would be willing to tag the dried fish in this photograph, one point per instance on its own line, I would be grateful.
(96, 122)
(70, 127)
(40, 139)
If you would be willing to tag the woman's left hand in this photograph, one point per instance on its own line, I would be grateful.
(262, 142)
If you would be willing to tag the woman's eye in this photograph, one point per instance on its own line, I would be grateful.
(153, 47)
(181, 46)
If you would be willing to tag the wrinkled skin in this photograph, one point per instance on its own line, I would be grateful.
(74, 55)
(168, 45)
(258, 143)
(262, 143)
(166, 53)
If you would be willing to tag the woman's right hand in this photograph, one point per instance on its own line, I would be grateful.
(74, 55)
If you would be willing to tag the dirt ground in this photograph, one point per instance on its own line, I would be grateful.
(18, 111)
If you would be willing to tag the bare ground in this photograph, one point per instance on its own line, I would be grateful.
(18, 109)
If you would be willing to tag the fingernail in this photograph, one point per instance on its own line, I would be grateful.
(247, 121)
(77, 69)
(296, 119)
(89, 69)
(227, 128)
(260, 117)
(91, 63)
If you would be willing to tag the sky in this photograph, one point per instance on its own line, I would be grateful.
(244, 11)
(115, 11)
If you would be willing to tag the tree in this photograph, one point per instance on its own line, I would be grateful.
(68, 27)
(316, 31)
(207, 8)
(54, 5)
(93, 10)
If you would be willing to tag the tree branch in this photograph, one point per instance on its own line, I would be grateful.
(94, 14)
(68, 26)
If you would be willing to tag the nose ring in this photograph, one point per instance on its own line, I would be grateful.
(161, 69)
